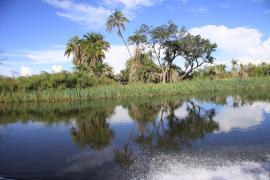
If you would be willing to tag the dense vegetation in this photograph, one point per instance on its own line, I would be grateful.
(159, 52)
(136, 90)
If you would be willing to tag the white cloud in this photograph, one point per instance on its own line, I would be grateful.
(46, 56)
(85, 14)
(57, 69)
(25, 71)
(133, 4)
(117, 57)
(95, 16)
(243, 43)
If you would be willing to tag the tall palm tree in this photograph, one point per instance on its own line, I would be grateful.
(137, 39)
(234, 67)
(118, 20)
(94, 47)
(73, 47)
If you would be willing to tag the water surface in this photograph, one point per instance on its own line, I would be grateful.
(199, 137)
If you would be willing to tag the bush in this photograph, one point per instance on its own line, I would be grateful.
(43, 81)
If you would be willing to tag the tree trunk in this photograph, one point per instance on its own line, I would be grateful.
(125, 43)
(165, 73)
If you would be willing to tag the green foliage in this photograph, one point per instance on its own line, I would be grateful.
(87, 51)
(60, 81)
(242, 71)
(137, 90)
(118, 20)
(142, 69)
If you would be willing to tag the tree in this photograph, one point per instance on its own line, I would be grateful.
(87, 51)
(137, 39)
(196, 51)
(155, 37)
(141, 70)
(159, 39)
(94, 47)
(234, 67)
(73, 47)
(118, 20)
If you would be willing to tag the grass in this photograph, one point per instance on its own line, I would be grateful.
(138, 90)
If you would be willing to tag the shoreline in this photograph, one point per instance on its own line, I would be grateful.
(188, 87)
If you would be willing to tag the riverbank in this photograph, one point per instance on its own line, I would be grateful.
(138, 90)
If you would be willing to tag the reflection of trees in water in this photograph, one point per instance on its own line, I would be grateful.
(93, 129)
(170, 131)
(125, 156)
(158, 127)
(182, 130)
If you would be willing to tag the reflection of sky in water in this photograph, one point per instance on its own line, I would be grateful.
(243, 117)
(120, 116)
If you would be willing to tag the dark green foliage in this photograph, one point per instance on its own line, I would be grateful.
(137, 90)
(142, 69)
(64, 80)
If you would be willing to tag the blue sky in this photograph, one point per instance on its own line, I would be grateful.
(33, 33)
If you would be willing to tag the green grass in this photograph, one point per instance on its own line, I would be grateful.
(138, 90)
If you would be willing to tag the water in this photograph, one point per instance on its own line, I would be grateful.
(213, 137)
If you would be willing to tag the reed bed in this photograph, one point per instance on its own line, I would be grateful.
(189, 87)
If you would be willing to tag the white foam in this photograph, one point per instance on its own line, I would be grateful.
(239, 171)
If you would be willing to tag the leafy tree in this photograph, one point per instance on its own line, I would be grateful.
(196, 51)
(155, 37)
(94, 47)
(118, 20)
(141, 70)
(138, 40)
(234, 67)
(73, 47)
(87, 51)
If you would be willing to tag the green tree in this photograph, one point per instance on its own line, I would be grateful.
(94, 47)
(159, 39)
(73, 48)
(234, 67)
(138, 40)
(141, 70)
(196, 51)
(87, 51)
(118, 20)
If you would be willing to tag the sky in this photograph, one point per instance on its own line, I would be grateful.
(33, 33)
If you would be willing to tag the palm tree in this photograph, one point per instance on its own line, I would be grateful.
(234, 67)
(137, 39)
(118, 20)
(87, 51)
(73, 47)
(94, 47)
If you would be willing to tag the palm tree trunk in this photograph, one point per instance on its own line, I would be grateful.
(125, 43)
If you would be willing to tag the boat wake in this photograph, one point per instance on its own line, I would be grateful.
(194, 169)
